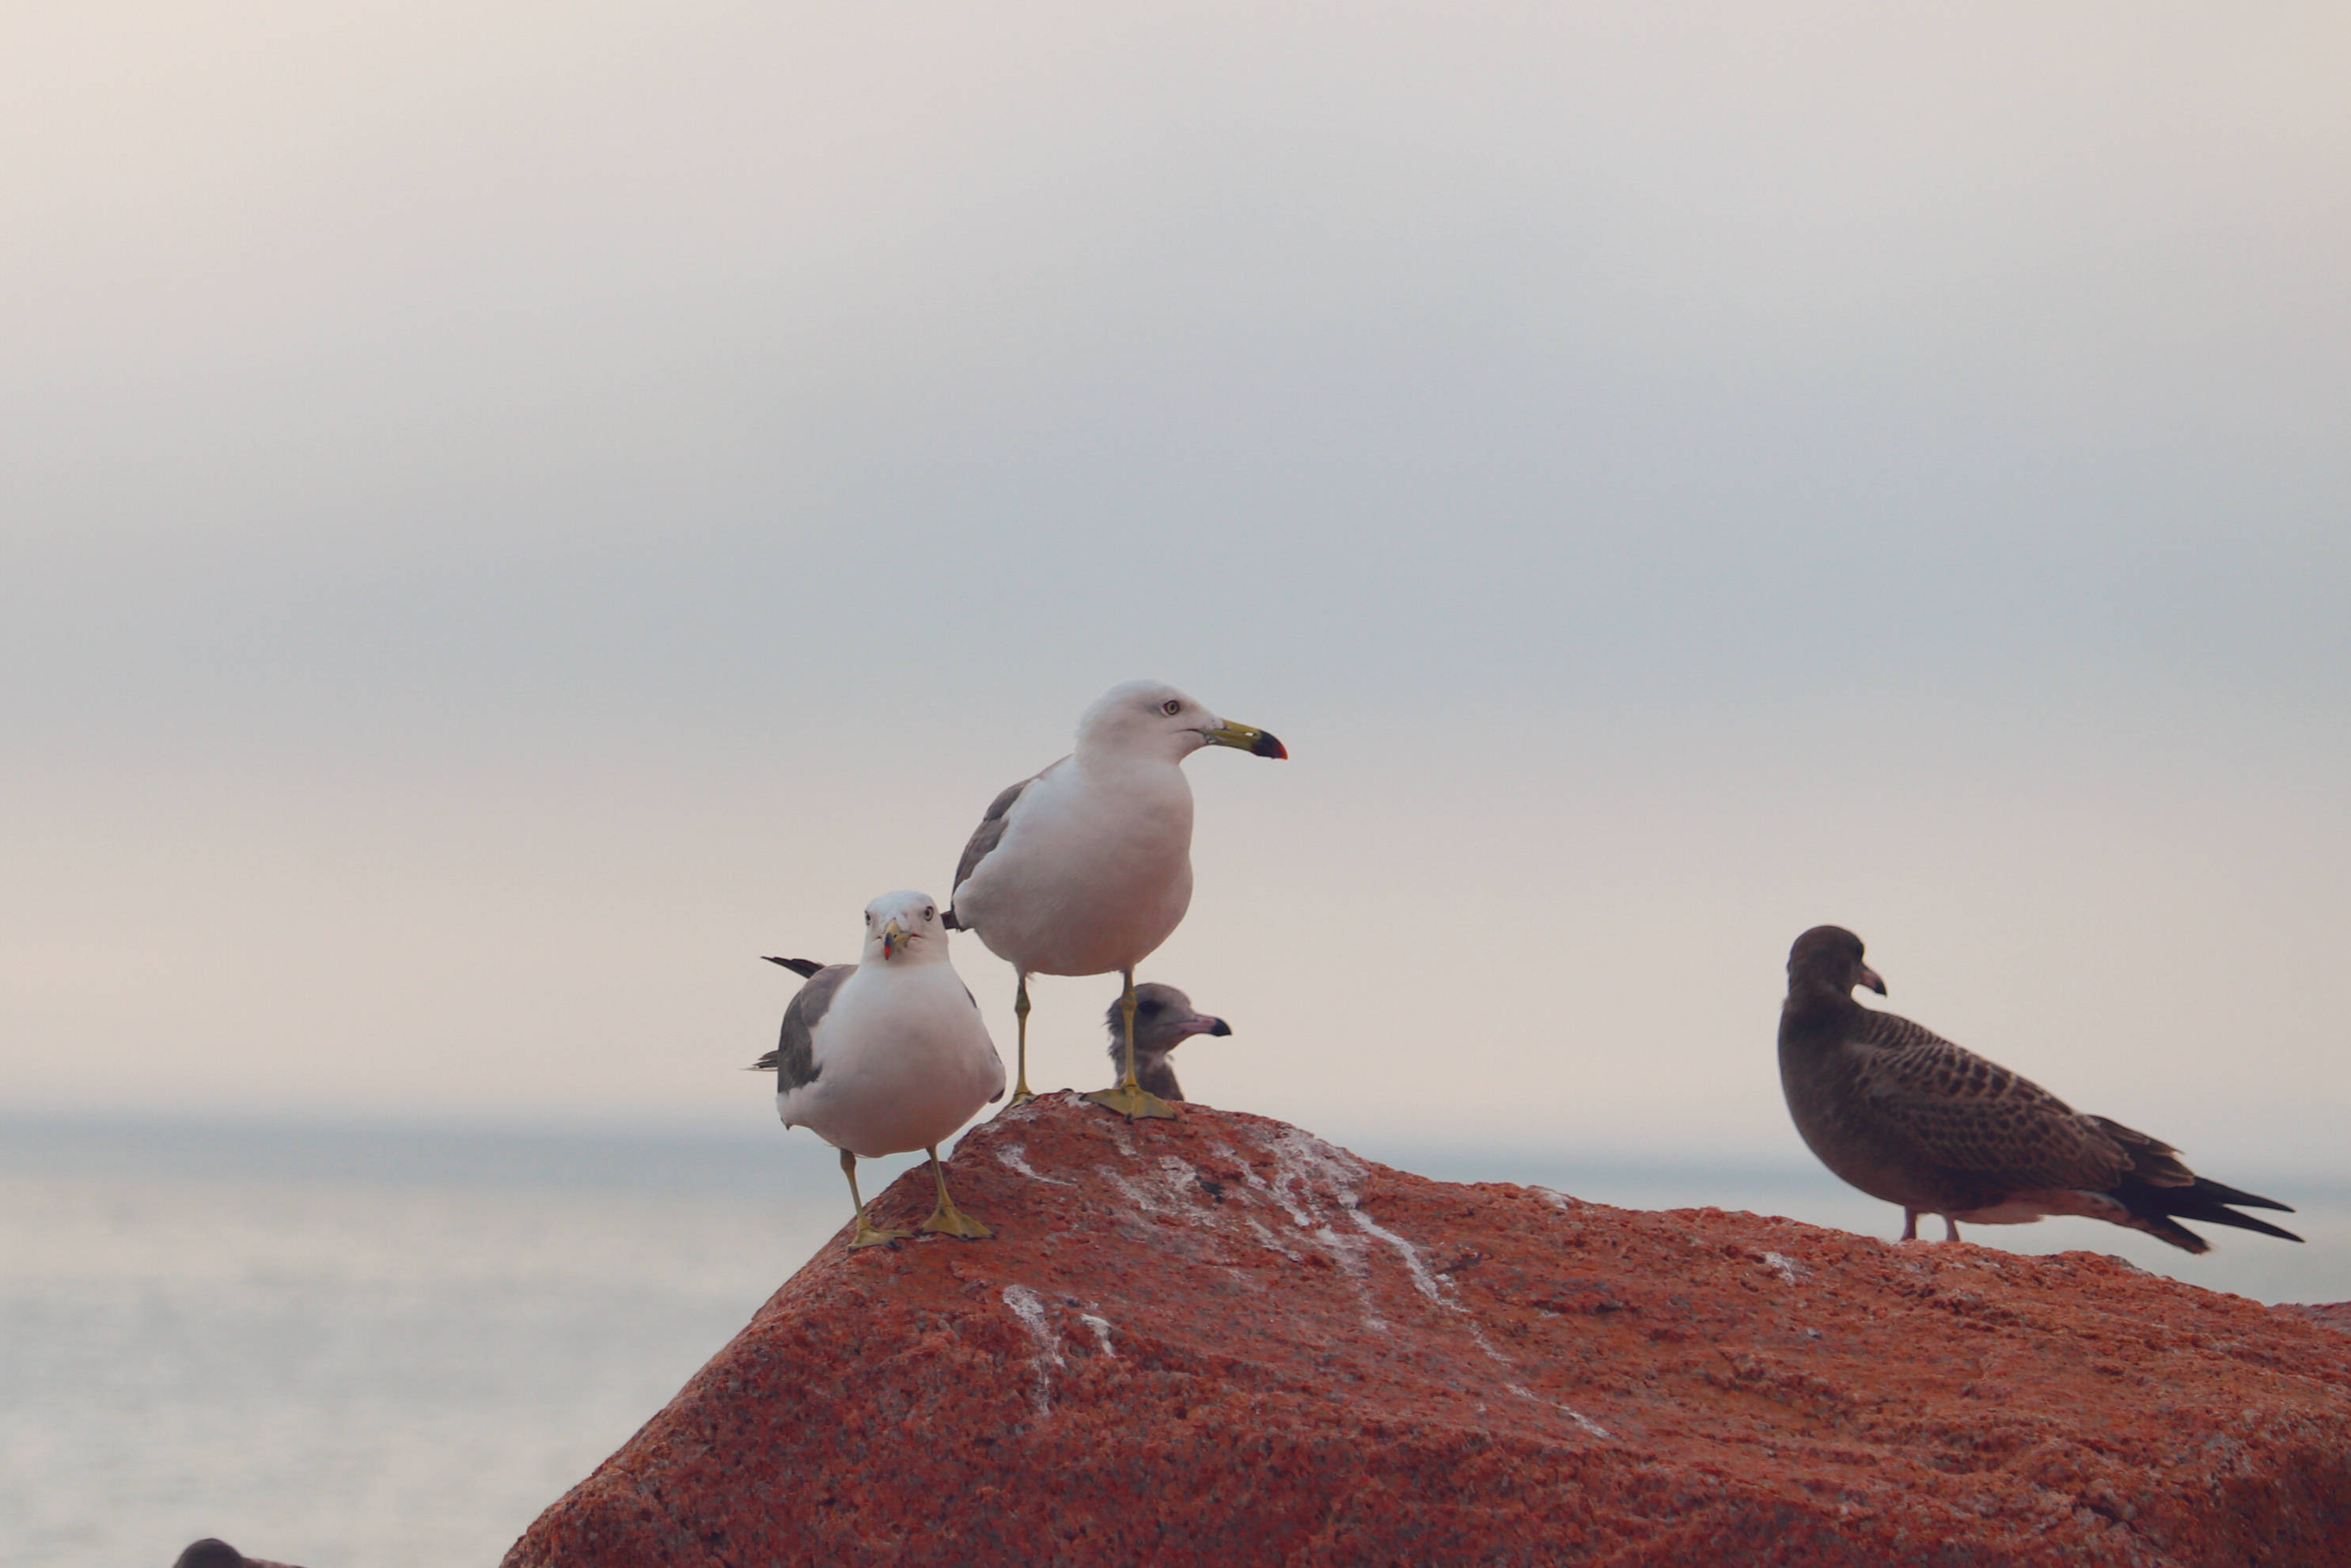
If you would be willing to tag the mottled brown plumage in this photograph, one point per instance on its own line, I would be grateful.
(214, 1552)
(1907, 1116)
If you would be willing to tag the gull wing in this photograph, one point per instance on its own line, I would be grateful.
(1976, 1117)
(986, 837)
(794, 1058)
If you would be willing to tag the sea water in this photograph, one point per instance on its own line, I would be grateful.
(358, 1349)
(371, 1349)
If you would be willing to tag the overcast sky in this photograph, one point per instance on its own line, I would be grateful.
(513, 512)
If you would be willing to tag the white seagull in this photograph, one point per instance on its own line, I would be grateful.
(1087, 867)
(887, 1055)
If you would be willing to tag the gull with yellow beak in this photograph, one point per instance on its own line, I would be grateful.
(1086, 868)
(887, 1055)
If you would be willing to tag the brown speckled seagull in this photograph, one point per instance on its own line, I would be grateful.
(1906, 1115)
(214, 1552)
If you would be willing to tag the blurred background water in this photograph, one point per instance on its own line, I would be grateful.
(354, 1348)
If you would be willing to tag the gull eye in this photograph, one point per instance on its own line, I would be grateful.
(1147, 1009)
(1172, 705)
(930, 912)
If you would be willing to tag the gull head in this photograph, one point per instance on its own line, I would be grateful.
(1828, 958)
(1152, 718)
(1164, 1019)
(904, 928)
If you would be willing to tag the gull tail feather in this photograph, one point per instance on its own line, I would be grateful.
(2159, 1209)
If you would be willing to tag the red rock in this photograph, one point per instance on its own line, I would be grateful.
(2333, 1314)
(1221, 1341)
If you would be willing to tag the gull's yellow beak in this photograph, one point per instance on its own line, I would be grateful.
(1244, 738)
(893, 936)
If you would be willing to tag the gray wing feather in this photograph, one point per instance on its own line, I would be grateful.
(987, 836)
(794, 1058)
(1971, 1115)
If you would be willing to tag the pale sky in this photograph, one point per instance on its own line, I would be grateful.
(512, 513)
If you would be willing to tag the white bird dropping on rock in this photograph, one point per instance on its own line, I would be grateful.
(1087, 868)
(887, 1055)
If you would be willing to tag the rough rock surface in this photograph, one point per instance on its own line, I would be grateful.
(2334, 1315)
(1222, 1341)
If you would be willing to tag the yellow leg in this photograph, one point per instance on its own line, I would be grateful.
(1020, 1091)
(1130, 1099)
(865, 1235)
(946, 1218)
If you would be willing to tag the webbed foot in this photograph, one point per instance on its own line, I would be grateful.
(946, 1219)
(1130, 1100)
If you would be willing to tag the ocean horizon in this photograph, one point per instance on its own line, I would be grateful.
(370, 1346)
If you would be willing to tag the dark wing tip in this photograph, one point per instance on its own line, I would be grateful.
(2221, 1192)
(2205, 1201)
(949, 920)
(805, 968)
(2218, 1214)
(764, 1064)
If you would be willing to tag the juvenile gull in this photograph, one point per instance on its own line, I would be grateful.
(1086, 868)
(214, 1552)
(887, 1055)
(1906, 1115)
(1164, 1019)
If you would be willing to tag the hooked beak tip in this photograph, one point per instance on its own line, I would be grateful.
(1869, 978)
(1246, 737)
(1218, 1026)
